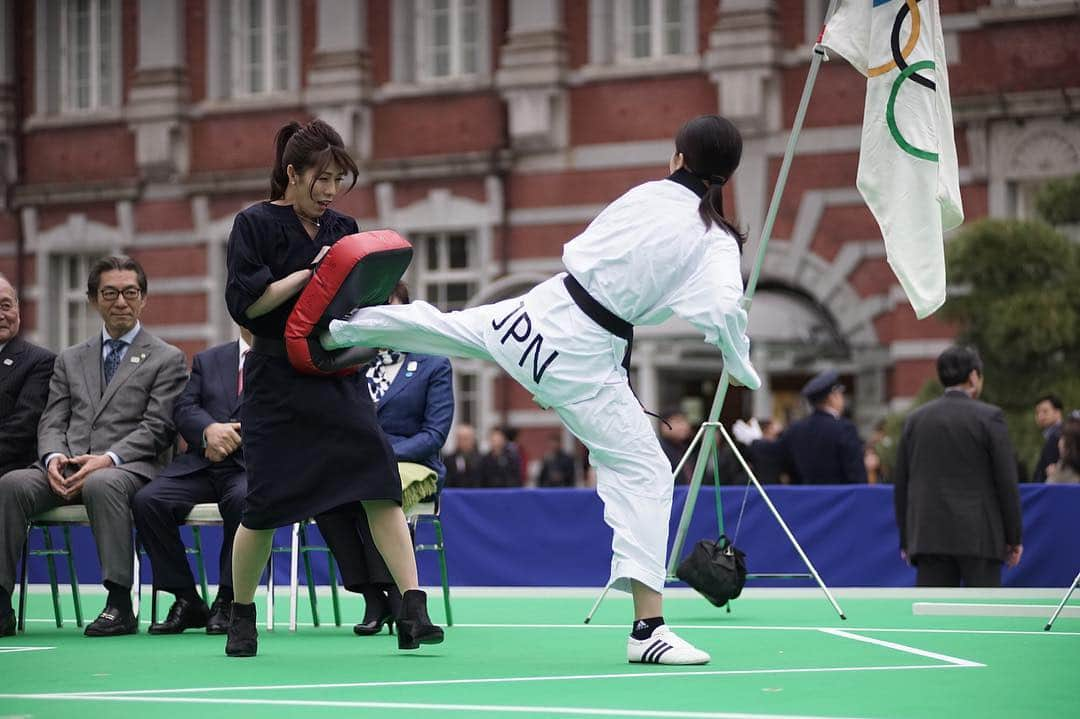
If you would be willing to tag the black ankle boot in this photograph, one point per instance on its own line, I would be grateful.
(377, 611)
(243, 639)
(414, 625)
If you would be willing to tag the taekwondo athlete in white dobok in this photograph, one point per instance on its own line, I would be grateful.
(663, 248)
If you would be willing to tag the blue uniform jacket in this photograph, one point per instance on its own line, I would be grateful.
(823, 449)
(417, 409)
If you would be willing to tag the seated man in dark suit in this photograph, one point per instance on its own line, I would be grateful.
(824, 448)
(106, 431)
(414, 400)
(212, 470)
(24, 386)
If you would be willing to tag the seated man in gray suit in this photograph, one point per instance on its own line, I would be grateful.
(106, 431)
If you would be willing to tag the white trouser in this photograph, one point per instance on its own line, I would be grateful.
(633, 476)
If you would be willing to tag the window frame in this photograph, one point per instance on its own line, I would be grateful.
(73, 317)
(411, 69)
(229, 33)
(54, 63)
(624, 28)
(423, 279)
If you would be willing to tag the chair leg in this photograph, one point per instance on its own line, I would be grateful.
(309, 576)
(270, 592)
(294, 581)
(136, 572)
(74, 578)
(50, 559)
(200, 565)
(332, 573)
(441, 549)
(23, 583)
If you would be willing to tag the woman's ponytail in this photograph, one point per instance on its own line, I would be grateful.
(711, 147)
(711, 209)
(279, 176)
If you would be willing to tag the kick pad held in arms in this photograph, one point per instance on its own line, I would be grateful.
(358, 271)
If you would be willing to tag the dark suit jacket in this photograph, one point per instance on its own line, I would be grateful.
(209, 396)
(417, 410)
(1049, 454)
(823, 449)
(131, 416)
(24, 388)
(956, 486)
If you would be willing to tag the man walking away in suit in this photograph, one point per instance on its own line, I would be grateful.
(1049, 410)
(824, 448)
(212, 470)
(956, 495)
(106, 431)
(24, 386)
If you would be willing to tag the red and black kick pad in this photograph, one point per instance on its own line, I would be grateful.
(358, 271)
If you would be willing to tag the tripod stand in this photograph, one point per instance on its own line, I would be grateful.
(1061, 606)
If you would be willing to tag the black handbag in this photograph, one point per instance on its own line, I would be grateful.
(715, 569)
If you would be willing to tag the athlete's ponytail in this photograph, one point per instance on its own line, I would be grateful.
(279, 176)
(711, 147)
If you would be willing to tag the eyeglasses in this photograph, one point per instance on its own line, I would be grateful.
(109, 294)
(8, 306)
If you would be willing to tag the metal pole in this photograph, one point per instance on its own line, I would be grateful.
(751, 287)
(1062, 605)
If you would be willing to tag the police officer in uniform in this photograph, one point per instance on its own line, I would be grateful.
(824, 448)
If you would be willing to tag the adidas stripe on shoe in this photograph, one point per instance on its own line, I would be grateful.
(664, 647)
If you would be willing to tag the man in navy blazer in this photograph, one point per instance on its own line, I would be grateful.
(211, 470)
(414, 401)
(824, 448)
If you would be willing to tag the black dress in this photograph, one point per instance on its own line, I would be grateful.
(312, 444)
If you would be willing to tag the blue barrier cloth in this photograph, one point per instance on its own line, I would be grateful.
(557, 537)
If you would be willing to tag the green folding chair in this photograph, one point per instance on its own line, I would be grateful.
(65, 518)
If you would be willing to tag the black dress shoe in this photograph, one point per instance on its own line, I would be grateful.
(220, 610)
(184, 614)
(113, 622)
(414, 625)
(243, 636)
(7, 624)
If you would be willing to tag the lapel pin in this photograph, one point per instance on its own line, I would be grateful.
(135, 360)
(411, 367)
(8, 362)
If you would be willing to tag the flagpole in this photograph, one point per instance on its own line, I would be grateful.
(709, 438)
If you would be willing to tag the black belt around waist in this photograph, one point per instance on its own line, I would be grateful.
(273, 346)
(602, 316)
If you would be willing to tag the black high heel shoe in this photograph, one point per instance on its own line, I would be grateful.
(414, 625)
(371, 627)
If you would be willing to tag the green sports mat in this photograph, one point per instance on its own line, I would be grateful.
(528, 654)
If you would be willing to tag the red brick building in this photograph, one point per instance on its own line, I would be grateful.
(490, 132)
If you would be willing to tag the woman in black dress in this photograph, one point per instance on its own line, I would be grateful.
(311, 444)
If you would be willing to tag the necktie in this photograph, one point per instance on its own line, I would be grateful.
(377, 380)
(112, 359)
(240, 375)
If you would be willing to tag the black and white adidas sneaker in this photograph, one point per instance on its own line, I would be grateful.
(664, 647)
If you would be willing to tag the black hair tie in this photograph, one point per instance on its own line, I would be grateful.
(717, 180)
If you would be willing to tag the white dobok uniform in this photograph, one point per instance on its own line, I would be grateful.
(645, 257)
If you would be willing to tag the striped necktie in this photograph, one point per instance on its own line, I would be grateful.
(112, 359)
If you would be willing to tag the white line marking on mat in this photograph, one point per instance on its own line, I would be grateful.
(12, 650)
(580, 711)
(714, 627)
(903, 648)
(503, 680)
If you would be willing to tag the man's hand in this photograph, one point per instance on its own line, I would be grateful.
(1012, 554)
(55, 474)
(85, 464)
(222, 439)
(904, 556)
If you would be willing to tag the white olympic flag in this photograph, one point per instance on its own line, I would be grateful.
(907, 163)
